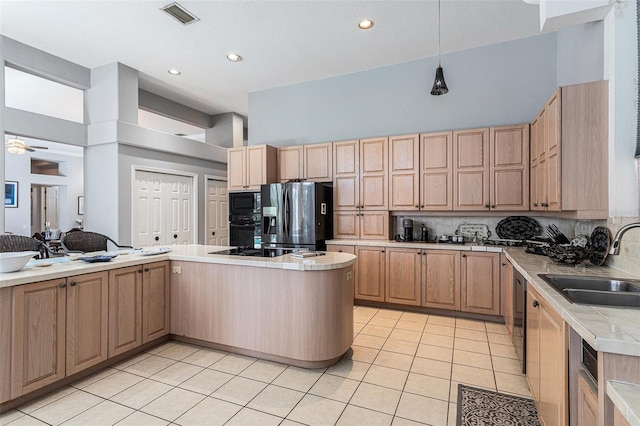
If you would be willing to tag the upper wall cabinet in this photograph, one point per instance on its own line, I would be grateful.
(420, 169)
(306, 162)
(490, 169)
(249, 167)
(569, 152)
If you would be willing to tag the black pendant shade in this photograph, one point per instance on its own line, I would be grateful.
(439, 85)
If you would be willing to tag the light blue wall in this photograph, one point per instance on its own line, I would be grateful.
(500, 84)
(581, 53)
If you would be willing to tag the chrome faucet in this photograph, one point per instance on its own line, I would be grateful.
(615, 247)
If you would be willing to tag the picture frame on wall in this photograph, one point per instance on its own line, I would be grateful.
(11, 194)
(80, 204)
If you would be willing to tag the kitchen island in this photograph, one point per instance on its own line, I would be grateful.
(66, 320)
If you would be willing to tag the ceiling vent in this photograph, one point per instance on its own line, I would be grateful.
(179, 13)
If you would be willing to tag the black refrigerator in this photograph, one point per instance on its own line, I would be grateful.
(295, 215)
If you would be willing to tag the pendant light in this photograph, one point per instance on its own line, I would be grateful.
(439, 85)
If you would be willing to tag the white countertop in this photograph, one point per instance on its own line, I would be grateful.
(626, 396)
(65, 267)
(615, 330)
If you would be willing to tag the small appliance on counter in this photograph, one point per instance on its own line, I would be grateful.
(407, 224)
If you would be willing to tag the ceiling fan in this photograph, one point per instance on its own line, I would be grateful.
(17, 146)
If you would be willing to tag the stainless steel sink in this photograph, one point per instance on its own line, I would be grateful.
(596, 290)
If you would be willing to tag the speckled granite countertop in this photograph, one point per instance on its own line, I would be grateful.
(65, 267)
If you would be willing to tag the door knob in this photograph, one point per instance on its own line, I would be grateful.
(157, 238)
(63, 285)
(73, 283)
(213, 233)
(535, 304)
(175, 235)
(146, 269)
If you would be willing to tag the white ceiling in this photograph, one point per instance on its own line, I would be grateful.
(282, 42)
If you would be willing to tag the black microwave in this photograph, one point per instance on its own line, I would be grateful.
(244, 203)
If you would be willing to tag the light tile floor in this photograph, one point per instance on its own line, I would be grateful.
(403, 369)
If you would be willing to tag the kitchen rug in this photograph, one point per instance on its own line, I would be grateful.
(478, 407)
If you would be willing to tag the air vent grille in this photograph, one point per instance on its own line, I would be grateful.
(180, 14)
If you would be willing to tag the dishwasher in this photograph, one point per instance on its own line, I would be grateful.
(520, 318)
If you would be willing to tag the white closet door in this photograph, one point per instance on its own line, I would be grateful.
(148, 213)
(217, 214)
(179, 205)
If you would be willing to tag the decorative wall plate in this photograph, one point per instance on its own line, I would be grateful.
(599, 245)
(518, 228)
(468, 231)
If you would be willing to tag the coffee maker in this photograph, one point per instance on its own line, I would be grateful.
(407, 224)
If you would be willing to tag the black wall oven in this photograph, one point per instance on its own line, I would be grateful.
(245, 218)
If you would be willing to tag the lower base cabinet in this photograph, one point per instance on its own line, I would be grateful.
(441, 279)
(370, 282)
(547, 360)
(480, 283)
(403, 283)
(587, 404)
(507, 293)
(139, 305)
(60, 328)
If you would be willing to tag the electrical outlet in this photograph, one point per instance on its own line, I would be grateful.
(349, 275)
(175, 269)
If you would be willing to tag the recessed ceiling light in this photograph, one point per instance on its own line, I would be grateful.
(233, 57)
(365, 24)
(174, 72)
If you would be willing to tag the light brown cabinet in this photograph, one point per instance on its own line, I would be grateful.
(420, 172)
(60, 328)
(547, 355)
(569, 152)
(360, 174)
(249, 167)
(365, 225)
(441, 279)
(491, 169)
(370, 283)
(403, 283)
(156, 300)
(587, 403)
(139, 305)
(507, 293)
(306, 162)
(480, 283)
(404, 166)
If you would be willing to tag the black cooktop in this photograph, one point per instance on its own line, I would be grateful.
(240, 251)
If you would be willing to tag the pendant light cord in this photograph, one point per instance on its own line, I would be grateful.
(438, 32)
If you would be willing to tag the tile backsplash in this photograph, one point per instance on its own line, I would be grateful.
(449, 225)
(629, 258)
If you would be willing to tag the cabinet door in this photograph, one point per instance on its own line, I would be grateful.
(374, 161)
(318, 162)
(156, 301)
(481, 283)
(346, 224)
(554, 352)
(534, 173)
(533, 342)
(441, 281)
(371, 273)
(509, 171)
(403, 279)
(404, 159)
(87, 320)
(507, 294)
(290, 163)
(553, 153)
(436, 171)
(542, 189)
(587, 404)
(471, 169)
(236, 169)
(346, 175)
(6, 326)
(125, 309)
(38, 342)
(261, 166)
(374, 225)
